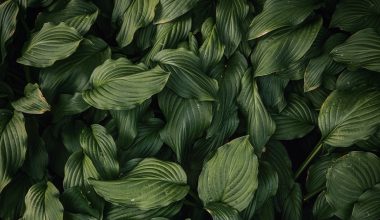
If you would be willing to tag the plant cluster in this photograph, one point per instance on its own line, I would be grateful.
(189, 109)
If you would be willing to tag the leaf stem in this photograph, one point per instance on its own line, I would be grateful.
(315, 192)
(311, 156)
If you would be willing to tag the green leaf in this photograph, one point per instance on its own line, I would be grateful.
(349, 116)
(74, 200)
(353, 186)
(220, 211)
(290, 44)
(100, 147)
(230, 16)
(8, 20)
(169, 10)
(13, 144)
(354, 15)
(316, 175)
(295, 121)
(260, 124)
(72, 74)
(120, 6)
(322, 209)
(139, 14)
(292, 209)
(230, 176)
(187, 119)
(33, 102)
(276, 13)
(151, 184)
(362, 49)
(42, 202)
(187, 78)
(50, 44)
(69, 105)
(272, 89)
(115, 212)
(119, 85)
(79, 14)
(372, 143)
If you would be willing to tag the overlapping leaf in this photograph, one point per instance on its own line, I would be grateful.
(169, 10)
(8, 20)
(33, 102)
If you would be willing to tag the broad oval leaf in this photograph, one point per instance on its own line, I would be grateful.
(119, 85)
(220, 211)
(187, 78)
(321, 208)
(292, 209)
(353, 185)
(349, 116)
(169, 10)
(100, 147)
(362, 49)
(354, 15)
(42, 202)
(316, 175)
(8, 20)
(273, 17)
(139, 14)
(79, 14)
(13, 144)
(119, 7)
(33, 102)
(50, 44)
(230, 176)
(151, 184)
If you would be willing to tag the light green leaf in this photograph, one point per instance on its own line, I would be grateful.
(354, 15)
(296, 120)
(120, 6)
(72, 74)
(50, 44)
(115, 212)
(220, 211)
(230, 16)
(230, 176)
(187, 78)
(353, 186)
(100, 147)
(151, 184)
(13, 144)
(139, 14)
(260, 124)
(119, 85)
(187, 119)
(362, 49)
(289, 44)
(8, 21)
(79, 14)
(78, 169)
(42, 202)
(169, 10)
(33, 102)
(273, 17)
(349, 116)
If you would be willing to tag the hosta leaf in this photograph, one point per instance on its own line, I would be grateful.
(115, 212)
(13, 144)
(100, 147)
(187, 78)
(316, 175)
(74, 200)
(354, 15)
(353, 186)
(33, 102)
(290, 44)
(119, 85)
(139, 14)
(260, 124)
(72, 74)
(272, 89)
(169, 10)
(273, 17)
(349, 116)
(322, 209)
(220, 211)
(359, 79)
(230, 176)
(360, 50)
(42, 202)
(79, 14)
(229, 19)
(70, 135)
(295, 121)
(373, 143)
(69, 105)
(78, 169)
(50, 44)
(292, 209)
(8, 20)
(120, 6)
(151, 184)
(187, 119)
